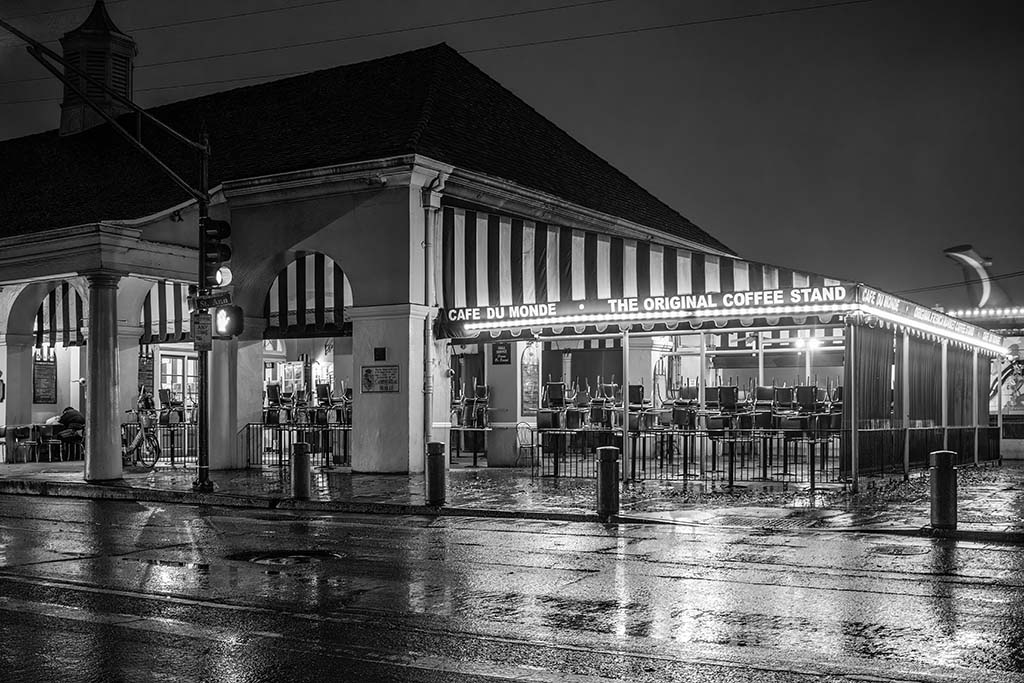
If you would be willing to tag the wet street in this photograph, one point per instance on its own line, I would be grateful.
(112, 591)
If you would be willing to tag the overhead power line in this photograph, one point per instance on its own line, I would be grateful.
(961, 283)
(664, 27)
(661, 27)
(290, 46)
(61, 11)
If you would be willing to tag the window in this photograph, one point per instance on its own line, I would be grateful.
(180, 374)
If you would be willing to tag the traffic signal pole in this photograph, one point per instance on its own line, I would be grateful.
(202, 483)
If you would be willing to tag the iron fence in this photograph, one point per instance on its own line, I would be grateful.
(270, 445)
(179, 442)
(801, 456)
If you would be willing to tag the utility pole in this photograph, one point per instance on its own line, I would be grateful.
(202, 196)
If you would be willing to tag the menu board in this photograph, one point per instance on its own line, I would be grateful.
(501, 353)
(379, 379)
(44, 381)
(146, 372)
(530, 376)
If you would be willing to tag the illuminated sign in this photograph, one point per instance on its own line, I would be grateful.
(723, 303)
(926, 319)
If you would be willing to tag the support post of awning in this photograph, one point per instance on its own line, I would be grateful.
(906, 404)
(851, 396)
(945, 395)
(999, 413)
(701, 383)
(760, 358)
(974, 400)
(625, 401)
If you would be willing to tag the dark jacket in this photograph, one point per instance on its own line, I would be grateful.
(72, 418)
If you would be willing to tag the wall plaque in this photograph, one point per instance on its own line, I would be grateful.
(501, 353)
(379, 379)
(44, 381)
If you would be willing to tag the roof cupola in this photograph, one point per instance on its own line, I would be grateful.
(102, 51)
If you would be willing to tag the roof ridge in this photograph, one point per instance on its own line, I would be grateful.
(428, 101)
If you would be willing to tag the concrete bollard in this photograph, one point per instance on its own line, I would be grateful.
(300, 470)
(607, 482)
(943, 481)
(435, 473)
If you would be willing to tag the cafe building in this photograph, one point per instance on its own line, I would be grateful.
(420, 256)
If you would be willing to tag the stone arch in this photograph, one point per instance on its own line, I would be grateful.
(308, 297)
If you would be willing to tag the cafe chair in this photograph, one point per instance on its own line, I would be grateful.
(526, 445)
(170, 406)
(48, 442)
(73, 445)
(276, 406)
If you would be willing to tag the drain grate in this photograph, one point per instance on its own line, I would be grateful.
(285, 557)
(762, 523)
(899, 550)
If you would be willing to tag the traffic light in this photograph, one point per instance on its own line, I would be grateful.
(228, 321)
(214, 234)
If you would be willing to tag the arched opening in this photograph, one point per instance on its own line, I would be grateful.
(307, 363)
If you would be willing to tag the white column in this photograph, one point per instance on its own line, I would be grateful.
(102, 419)
(387, 434)
(16, 365)
(224, 371)
(503, 381)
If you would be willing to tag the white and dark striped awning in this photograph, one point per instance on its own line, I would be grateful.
(493, 260)
(827, 337)
(165, 314)
(309, 298)
(60, 318)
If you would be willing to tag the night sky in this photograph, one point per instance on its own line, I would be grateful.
(856, 141)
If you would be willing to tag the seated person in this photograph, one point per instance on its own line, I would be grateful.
(73, 423)
(145, 399)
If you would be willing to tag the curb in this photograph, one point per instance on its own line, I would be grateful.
(120, 491)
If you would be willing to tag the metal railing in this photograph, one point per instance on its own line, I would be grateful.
(802, 456)
(270, 445)
(179, 442)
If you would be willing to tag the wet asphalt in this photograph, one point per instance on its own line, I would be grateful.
(134, 590)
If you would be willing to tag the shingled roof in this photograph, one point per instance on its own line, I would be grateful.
(430, 101)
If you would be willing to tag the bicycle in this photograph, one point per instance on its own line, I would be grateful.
(145, 447)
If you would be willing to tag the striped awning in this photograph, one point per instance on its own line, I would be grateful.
(60, 317)
(826, 337)
(165, 314)
(309, 298)
(496, 265)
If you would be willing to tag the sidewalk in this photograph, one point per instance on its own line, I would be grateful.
(990, 499)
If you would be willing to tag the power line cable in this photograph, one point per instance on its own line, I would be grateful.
(791, 10)
(291, 46)
(663, 27)
(961, 283)
(62, 11)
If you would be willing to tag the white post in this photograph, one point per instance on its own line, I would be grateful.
(999, 414)
(906, 404)
(945, 402)
(701, 384)
(760, 359)
(974, 401)
(625, 401)
(851, 396)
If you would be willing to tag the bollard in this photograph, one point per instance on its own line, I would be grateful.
(607, 482)
(435, 473)
(943, 476)
(300, 470)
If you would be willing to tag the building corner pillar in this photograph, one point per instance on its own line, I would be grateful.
(102, 421)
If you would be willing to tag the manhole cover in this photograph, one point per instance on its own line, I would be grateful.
(899, 550)
(285, 557)
(763, 523)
